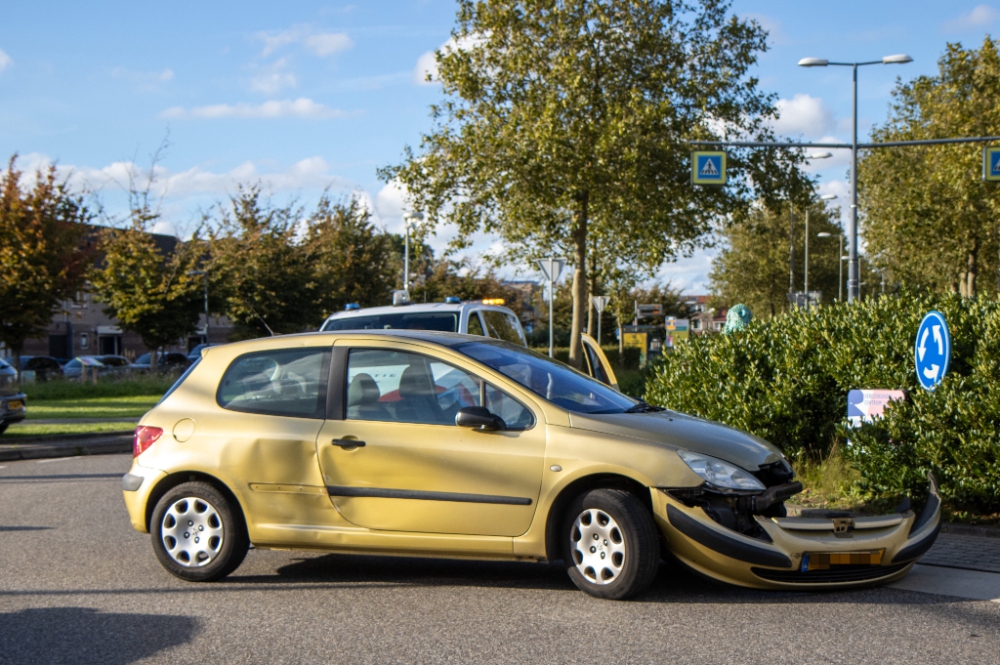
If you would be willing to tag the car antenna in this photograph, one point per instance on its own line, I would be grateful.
(261, 318)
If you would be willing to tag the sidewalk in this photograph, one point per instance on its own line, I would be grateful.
(39, 447)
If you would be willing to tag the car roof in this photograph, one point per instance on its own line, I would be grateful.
(433, 336)
(416, 307)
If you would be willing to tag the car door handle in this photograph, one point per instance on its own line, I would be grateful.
(349, 443)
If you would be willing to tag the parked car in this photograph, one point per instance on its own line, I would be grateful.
(116, 364)
(165, 361)
(13, 403)
(195, 353)
(441, 444)
(42, 368)
(74, 368)
(473, 318)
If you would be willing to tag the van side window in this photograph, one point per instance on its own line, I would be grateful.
(475, 325)
(282, 382)
(499, 327)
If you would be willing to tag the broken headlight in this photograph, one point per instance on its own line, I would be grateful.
(720, 474)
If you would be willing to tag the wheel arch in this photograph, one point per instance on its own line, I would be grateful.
(557, 512)
(171, 481)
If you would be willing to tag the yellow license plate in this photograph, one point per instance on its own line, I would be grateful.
(15, 405)
(827, 560)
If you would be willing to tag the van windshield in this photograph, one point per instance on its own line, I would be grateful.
(440, 321)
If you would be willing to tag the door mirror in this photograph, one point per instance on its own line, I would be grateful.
(480, 418)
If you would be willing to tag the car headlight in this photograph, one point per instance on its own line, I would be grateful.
(719, 473)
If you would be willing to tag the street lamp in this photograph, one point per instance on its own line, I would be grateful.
(791, 231)
(805, 285)
(203, 273)
(852, 265)
(408, 219)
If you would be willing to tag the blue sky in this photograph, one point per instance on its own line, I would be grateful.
(313, 95)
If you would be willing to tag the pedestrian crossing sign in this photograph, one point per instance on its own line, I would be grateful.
(709, 168)
(991, 163)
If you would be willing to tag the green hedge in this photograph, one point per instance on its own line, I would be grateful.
(787, 379)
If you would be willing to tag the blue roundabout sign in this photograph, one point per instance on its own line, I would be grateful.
(932, 350)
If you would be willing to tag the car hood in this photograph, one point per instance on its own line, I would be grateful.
(679, 430)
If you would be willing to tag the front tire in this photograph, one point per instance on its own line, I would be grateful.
(198, 534)
(611, 546)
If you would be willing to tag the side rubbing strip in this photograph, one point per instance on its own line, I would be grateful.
(723, 544)
(379, 493)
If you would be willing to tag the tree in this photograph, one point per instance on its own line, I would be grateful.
(260, 268)
(44, 255)
(929, 219)
(752, 266)
(145, 285)
(565, 123)
(351, 260)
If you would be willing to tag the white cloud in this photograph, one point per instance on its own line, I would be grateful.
(427, 63)
(164, 227)
(328, 43)
(274, 78)
(302, 107)
(320, 44)
(980, 17)
(803, 114)
(690, 275)
(309, 173)
(389, 204)
(5, 60)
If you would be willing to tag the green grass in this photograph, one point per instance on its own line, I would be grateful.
(21, 430)
(142, 385)
(99, 407)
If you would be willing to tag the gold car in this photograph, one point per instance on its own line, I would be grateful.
(448, 445)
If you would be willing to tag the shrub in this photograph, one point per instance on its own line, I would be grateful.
(107, 386)
(786, 380)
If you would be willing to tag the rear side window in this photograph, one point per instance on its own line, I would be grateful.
(282, 382)
(502, 326)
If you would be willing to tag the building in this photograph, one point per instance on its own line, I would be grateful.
(704, 318)
(80, 327)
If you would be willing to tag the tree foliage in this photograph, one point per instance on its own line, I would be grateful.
(752, 266)
(43, 251)
(351, 260)
(929, 219)
(564, 129)
(145, 285)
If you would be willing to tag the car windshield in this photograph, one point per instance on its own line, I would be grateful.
(441, 321)
(556, 382)
(143, 359)
(114, 361)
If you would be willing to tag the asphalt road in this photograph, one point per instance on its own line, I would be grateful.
(78, 585)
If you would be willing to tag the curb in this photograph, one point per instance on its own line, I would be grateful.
(57, 440)
(106, 444)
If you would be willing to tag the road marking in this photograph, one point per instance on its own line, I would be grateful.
(970, 584)
(56, 459)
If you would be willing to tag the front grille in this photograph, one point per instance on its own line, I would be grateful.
(831, 576)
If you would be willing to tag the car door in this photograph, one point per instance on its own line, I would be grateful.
(597, 363)
(393, 458)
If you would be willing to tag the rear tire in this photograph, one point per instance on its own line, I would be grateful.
(611, 546)
(198, 533)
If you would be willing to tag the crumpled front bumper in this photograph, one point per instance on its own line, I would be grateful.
(842, 552)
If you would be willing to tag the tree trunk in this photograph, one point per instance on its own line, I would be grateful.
(579, 283)
(971, 273)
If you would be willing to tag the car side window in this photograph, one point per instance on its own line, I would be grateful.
(499, 327)
(475, 325)
(281, 382)
(399, 386)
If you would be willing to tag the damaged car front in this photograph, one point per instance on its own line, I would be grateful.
(734, 526)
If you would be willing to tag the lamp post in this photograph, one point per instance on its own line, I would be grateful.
(551, 268)
(408, 219)
(805, 285)
(203, 273)
(791, 230)
(852, 247)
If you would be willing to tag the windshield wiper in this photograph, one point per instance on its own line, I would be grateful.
(643, 407)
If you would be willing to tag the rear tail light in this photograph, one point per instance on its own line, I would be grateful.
(144, 438)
